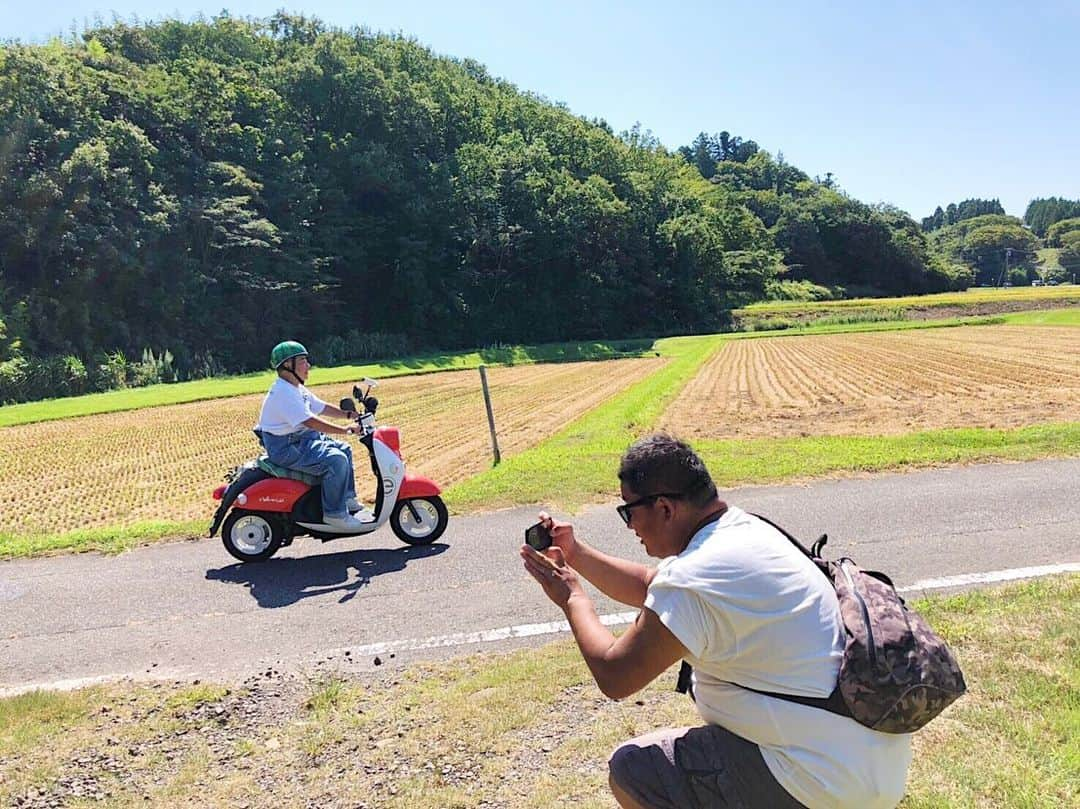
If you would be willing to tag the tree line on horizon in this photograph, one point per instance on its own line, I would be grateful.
(999, 248)
(176, 197)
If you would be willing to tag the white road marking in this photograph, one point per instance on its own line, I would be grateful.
(991, 577)
(481, 636)
(552, 628)
(619, 618)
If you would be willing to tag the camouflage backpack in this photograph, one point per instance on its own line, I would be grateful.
(896, 674)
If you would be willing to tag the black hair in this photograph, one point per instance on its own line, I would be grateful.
(663, 463)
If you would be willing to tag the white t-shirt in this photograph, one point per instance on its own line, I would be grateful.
(286, 407)
(752, 609)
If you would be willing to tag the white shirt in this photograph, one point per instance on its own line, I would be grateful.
(286, 408)
(751, 608)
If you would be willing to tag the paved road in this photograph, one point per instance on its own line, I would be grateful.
(185, 609)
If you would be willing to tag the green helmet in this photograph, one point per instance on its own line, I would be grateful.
(286, 351)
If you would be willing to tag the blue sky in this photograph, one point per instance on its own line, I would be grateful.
(916, 104)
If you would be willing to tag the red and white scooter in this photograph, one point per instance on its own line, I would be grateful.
(264, 507)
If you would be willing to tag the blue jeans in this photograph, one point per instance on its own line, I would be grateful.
(317, 454)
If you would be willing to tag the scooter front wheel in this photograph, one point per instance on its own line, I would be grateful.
(250, 536)
(419, 520)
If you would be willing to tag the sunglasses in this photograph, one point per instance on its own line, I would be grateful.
(625, 509)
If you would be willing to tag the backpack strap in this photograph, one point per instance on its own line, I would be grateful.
(685, 684)
(813, 552)
(834, 703)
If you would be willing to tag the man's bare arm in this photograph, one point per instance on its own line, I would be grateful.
(623, 666)
(625, 581)
(323, 426)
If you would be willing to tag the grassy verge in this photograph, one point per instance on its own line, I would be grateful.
(523, 730)
(1044, 317)
(737, 462)
(248, 384)
(579, 466)
(115, 539)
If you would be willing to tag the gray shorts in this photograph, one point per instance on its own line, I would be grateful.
(697, 767)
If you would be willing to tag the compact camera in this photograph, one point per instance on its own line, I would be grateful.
(538, 537)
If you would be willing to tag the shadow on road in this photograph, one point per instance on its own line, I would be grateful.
(280, 582)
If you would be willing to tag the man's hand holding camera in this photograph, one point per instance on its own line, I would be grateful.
(549, 566)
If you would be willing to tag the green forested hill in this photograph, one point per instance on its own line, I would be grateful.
(190, 193)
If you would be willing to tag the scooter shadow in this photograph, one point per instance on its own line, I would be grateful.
(284, 581)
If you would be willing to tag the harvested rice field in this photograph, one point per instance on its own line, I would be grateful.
(162, 463)
(883, 383)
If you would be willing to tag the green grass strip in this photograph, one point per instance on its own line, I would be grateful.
(769, 460)
(106, 540)
(1044, 317)
(225, 387)
(578, 463)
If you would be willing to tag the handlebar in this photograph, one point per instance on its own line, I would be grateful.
(366, 417)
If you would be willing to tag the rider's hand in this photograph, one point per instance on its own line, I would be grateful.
(562, 536)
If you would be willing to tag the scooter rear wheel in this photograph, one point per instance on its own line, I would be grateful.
(421, 524)
(252, 537)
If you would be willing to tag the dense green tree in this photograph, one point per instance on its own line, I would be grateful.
(1057, 232)
(989, 245)
(1042, 213)
(826, 238)
(967, 209)
(708, 150)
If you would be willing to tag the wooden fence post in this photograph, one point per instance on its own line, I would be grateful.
(490, 415)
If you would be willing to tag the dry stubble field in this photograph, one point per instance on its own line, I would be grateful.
(162, 463)
(883, 383)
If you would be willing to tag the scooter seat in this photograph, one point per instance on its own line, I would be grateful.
(264, 463)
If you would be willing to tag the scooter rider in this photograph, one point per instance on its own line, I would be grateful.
(296, 436)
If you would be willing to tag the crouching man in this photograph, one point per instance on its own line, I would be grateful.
(734, 598)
